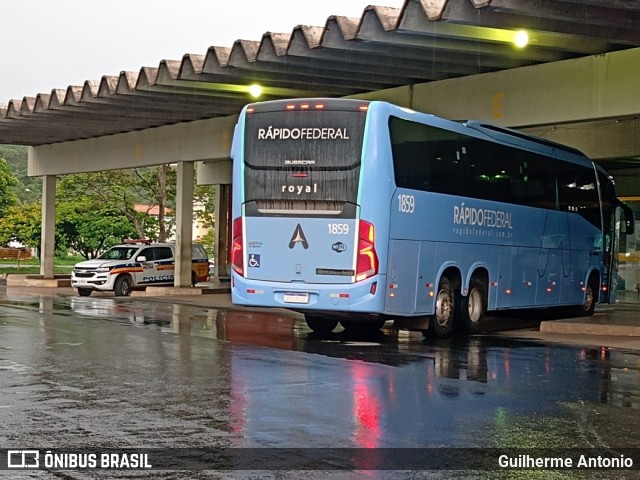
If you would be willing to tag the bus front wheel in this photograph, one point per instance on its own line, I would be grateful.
(471, 308)
(441, 324)
(590, 298)
(320, 324)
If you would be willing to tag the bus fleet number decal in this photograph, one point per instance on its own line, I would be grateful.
(338, 228)
(406, 203)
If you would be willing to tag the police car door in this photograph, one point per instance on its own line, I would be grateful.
(164, 264)
(149, 271)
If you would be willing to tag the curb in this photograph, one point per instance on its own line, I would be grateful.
(576, 328)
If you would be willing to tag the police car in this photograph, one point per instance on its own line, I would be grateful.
(135, 264)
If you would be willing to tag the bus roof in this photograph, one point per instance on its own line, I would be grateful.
(491, 129)
(344, 104)
(472, 128)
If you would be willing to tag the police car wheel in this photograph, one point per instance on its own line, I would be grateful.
(84, 292)
(122, 287)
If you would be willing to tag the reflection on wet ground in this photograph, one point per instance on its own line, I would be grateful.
(600, 375)
(78, 371)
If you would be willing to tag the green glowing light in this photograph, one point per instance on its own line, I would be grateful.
(521, 39)
(255, 90)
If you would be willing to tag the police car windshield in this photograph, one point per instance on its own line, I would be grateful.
(119, 253)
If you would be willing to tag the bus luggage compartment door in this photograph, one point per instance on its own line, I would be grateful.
(310, 250)
(402, 276)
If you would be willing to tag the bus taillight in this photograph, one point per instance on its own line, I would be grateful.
(237, 249)
(367, 263)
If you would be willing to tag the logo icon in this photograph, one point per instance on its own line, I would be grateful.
(338, 247)
(23, 458)
(298, 237)
(254, 260)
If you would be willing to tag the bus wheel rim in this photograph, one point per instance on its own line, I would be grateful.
(475, 305)
(443, 308)
(588, 298)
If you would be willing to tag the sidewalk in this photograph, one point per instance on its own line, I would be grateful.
(618, 320)
(616, 326)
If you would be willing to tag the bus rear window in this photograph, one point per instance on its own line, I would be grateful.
(303, 160)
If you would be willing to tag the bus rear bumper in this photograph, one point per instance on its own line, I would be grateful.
(365, 296)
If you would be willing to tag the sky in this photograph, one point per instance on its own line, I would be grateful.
(47, 44)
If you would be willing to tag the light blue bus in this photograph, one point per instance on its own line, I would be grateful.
(358, 212)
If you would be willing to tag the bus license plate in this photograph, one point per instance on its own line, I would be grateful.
(296, 297)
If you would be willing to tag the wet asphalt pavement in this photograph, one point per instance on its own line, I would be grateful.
(115, 373)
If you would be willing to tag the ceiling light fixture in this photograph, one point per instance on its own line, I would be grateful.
(521, 39)
(255, 90)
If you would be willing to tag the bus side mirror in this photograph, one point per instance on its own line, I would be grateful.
(628, 220)
(629, 226)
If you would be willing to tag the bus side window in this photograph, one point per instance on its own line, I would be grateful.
(578, 193)
(411, 165)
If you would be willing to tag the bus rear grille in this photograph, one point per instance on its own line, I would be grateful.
(291, 207)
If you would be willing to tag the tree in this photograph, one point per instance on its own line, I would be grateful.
(121, 190)
(7, 184)
(157, 187)
(86, 229)
(93, 211)
(27, 188)
(206, 196)
(21, 223)
(90, 229)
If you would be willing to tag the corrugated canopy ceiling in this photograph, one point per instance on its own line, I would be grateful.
(425, 40)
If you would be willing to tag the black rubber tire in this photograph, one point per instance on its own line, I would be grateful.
(84, 292)
(441, 324)
(320, 324)
(194, 278)
(362, 326)
(471, 308)
(590, 299)
(123, 286)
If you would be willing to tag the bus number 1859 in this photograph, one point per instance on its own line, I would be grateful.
(406, 203)
(338, 228)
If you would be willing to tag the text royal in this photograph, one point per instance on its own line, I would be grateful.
(300, 189)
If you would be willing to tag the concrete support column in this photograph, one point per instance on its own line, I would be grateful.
(184, 224)
(222, 226)
(48, 228)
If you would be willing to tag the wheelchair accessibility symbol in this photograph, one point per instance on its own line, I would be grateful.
(254, 260)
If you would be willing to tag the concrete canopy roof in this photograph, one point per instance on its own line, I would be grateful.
(425, 40)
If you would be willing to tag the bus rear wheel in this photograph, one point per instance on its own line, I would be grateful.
(320, 324)
(471, 308)
(441, 325)
(363, 326)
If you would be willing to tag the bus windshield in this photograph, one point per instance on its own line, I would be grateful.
(302, 160)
